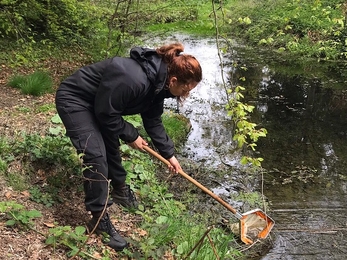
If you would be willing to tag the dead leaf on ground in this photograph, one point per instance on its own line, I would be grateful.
(25, 193)
(50, 225)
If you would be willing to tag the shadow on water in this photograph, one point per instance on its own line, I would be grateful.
(303, 106)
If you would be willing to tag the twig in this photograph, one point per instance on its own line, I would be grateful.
(213, 247)
(199, 243)
(96, 225)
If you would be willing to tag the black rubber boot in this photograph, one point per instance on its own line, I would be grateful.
(108, 231)
(125, 197)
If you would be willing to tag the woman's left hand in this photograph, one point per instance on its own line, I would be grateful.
(138, 143)
(175, 166)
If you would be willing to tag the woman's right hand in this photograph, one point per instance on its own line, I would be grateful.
(175, 166)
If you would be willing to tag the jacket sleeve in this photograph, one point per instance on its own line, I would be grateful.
(113, 94)
(155, 129)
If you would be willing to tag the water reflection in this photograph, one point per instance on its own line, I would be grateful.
(305, 155)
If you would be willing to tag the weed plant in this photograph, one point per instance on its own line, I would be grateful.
(18, 215)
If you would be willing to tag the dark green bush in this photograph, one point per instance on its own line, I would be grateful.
(59, 20)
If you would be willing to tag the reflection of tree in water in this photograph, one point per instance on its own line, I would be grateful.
(303, 117)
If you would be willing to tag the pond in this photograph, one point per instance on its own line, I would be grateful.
(303, 106)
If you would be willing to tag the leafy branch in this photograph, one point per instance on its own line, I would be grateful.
(246, 133)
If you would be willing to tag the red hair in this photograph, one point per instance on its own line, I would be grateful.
(183, 66)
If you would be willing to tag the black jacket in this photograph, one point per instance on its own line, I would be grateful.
(123, 86)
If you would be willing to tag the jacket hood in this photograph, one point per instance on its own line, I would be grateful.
(152, 65)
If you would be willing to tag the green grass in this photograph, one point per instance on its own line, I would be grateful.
(177, 126)
(17, 81)
(18, 181)
(46, 108)
(36, 84)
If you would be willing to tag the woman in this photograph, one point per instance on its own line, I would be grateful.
(91, 103)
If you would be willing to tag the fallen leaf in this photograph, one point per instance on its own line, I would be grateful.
(50, 225)
(26, 193)
(97, 255)
(142, 232)
(8, 194)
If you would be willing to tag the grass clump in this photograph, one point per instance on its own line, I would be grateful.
(36, 84)
(177, 126)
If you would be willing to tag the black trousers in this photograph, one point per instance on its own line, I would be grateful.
(101, 157)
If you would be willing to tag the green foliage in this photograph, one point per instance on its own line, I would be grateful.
(69, 237)
(32, 30)
(5, 154)
(50, 150)
(18, 215)
(17, 81)
(246, 133)
(253, 199)
(165, 219)
(46, 108)
(306, 28)
(192, 17)
(3, 165)
(36, 84)
(44, 153)
(44, 198)
(55, 19)
(17, 180)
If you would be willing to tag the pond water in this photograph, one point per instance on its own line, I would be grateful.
(303, 106)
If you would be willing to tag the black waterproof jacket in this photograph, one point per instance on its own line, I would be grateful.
(123, 86)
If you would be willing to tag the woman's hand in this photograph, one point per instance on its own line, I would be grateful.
(138, 143)
(175, 166)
